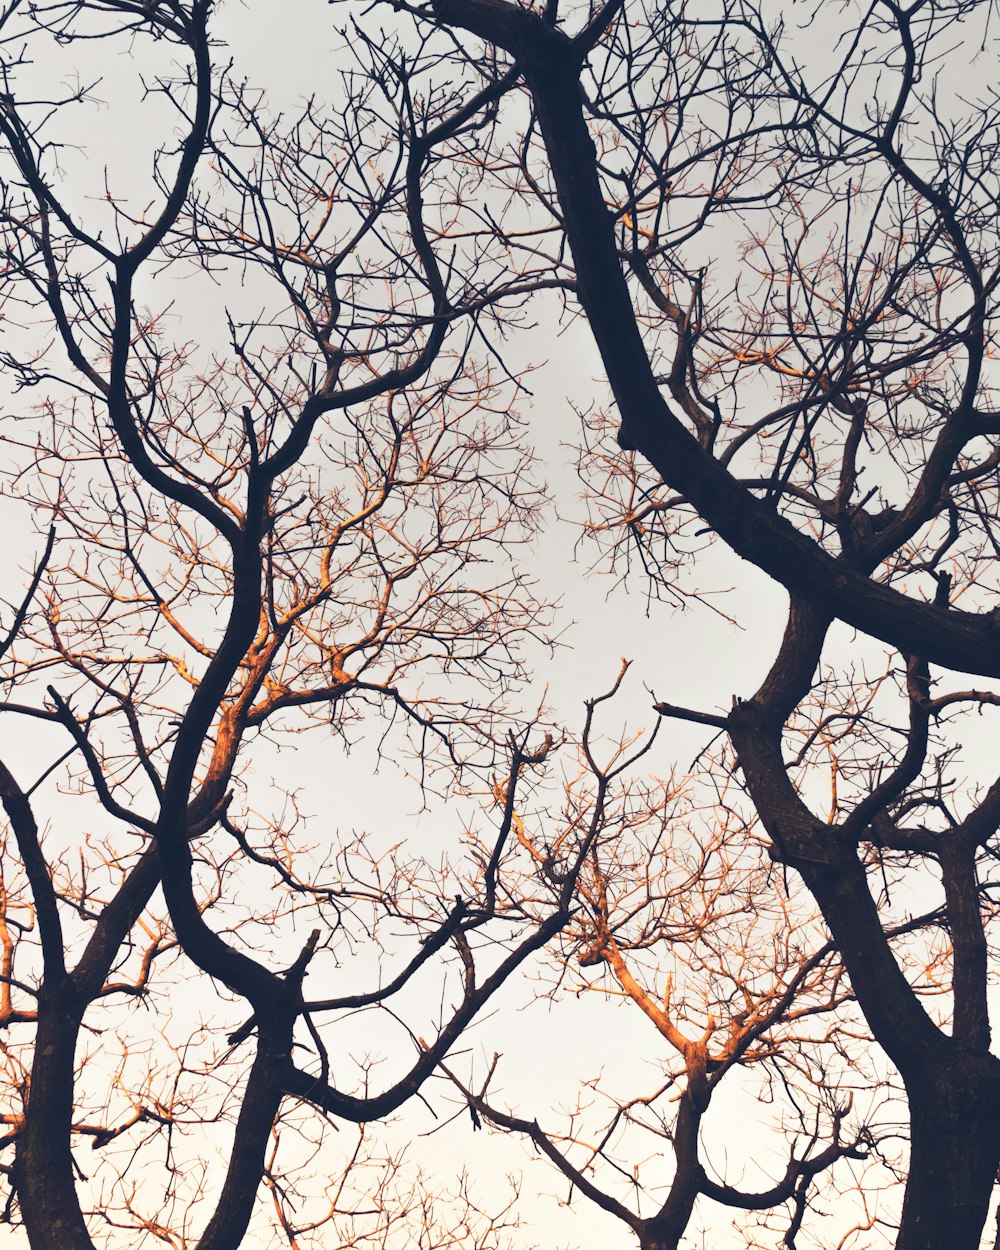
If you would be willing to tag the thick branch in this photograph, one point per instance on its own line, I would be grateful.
(960, 640)
(22, 821)
(349, 1107)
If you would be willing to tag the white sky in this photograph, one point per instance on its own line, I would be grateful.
(694, 658)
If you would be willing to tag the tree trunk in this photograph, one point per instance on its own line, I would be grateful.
(954, 1155)
(654, 1241)
(664, 1230)
(46, 1189)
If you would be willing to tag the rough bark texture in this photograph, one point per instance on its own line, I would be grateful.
(954, 1155)
(44, 1167)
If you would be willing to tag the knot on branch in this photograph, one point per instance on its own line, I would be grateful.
(591, 956)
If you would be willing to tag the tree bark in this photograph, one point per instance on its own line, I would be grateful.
(43, 1175)
(664, 1230)
(954, 1155)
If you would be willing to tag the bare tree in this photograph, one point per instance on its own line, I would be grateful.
(788, 262)
(785, 243)
(676, 916)
(304, 522)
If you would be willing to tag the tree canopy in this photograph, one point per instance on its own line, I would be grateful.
(268, 355)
